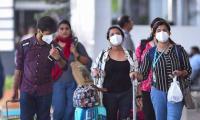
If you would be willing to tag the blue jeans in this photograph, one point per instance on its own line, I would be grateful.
(33, 104)
(165, 110)
(62, 100)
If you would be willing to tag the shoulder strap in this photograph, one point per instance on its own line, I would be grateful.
(101, 57)
(186, 82)
(151, 53)
(178, 53)
(130, 53)
(143, 45)
(76, 42)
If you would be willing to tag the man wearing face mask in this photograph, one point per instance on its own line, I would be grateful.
(33, 71)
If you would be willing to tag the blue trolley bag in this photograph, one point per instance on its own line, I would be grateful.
(94, 113)
(86, 113)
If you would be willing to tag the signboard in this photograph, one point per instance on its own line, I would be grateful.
(6, 25)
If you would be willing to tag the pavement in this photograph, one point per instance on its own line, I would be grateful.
(186, 114)
(193, 114)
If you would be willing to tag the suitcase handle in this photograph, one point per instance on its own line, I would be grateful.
(10, 101)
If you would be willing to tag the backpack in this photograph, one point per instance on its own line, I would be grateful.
(85, 95)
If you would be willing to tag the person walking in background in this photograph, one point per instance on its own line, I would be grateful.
(145, 86)
(195, 64)
(35, 57)
(65, 84)
(2, 79)
(194, 50)
(126, 24)
(164, 59)
(114, 65)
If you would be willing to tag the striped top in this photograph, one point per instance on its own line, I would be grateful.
(166, 64)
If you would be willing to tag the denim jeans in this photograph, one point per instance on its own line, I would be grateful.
(33, 104)
(62, 100)
(118, 102)
(165, 110)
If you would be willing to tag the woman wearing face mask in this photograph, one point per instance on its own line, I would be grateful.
(164, 59)
(65, 85)
(145, 86)
(114, 65)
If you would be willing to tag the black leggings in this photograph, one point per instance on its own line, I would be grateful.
(147, 106)
(118, 102)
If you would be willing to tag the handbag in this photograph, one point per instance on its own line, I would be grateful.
(187, 97)
(188, 101)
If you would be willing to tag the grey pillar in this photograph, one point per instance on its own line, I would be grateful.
(155, 9)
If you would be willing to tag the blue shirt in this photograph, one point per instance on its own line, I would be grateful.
(195, 62)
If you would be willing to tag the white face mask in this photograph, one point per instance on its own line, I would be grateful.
(48, 38)
(162, 36)
(116, 40)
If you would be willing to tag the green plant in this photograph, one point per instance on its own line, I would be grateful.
(9, 82)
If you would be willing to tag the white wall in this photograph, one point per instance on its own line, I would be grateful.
(83, 21)
(90, 20)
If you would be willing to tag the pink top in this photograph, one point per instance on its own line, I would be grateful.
(146, 84)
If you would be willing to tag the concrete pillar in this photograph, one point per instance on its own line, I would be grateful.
(198, 12)
(170, 10)
(155, 9)
(90, 20)
(185, 12)
(179, 12)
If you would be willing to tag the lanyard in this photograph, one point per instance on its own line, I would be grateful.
(155, 60)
